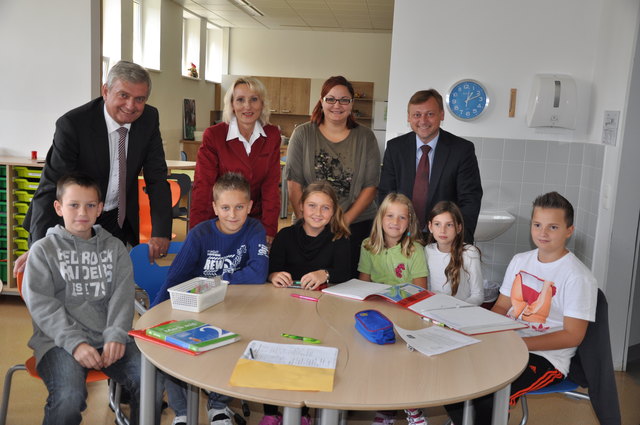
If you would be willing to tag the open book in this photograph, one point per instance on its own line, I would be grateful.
(441, 308)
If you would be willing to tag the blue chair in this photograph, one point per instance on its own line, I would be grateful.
(149, 276)
(591, 368)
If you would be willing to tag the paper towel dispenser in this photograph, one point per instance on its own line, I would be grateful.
(553, 102)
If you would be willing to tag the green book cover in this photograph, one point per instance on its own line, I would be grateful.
(203, 338)
(163, 331)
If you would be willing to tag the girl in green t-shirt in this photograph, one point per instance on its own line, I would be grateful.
(392, 254)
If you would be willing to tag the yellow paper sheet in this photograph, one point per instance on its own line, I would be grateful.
(257, 374)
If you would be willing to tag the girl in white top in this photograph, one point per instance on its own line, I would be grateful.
(454, 267)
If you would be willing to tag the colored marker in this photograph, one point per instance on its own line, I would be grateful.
(302, 338)
(304, 297)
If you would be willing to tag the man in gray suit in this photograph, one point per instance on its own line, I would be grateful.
(452, 163)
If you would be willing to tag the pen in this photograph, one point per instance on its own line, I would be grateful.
(251, 353)
(301, 338)
(304, 297)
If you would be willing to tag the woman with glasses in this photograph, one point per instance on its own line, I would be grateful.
(333, 147)
(244, 142)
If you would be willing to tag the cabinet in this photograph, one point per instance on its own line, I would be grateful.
(288, 96)
(19, 179)
(363, 102)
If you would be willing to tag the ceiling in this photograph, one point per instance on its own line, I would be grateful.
(310, 15)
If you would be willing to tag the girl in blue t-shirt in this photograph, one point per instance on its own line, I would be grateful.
(393, 254)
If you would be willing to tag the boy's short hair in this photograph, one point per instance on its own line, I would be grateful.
(80, 179)
(231, 181)
(555, 200)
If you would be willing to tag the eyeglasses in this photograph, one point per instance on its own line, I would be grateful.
(342, 101)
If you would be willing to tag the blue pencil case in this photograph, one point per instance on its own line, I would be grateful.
(375, 326)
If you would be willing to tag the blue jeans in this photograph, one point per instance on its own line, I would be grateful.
(65, 379)
(177, 395)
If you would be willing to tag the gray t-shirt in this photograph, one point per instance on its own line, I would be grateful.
(349, 165)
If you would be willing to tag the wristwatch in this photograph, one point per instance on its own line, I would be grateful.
(327, 272)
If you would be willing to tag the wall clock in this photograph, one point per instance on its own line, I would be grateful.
(467, 99)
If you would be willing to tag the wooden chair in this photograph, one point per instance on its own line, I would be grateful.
(30, 366)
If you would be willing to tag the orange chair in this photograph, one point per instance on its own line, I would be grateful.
(30, 366)
(144, 208)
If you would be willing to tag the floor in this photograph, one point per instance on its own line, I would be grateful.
(28, 395)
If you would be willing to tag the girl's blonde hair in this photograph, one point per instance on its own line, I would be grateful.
(337, 224)
(456, 263)
(375, 243)
(254, 85)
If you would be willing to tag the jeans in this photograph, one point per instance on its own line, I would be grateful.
(177, 394)
(65, 380)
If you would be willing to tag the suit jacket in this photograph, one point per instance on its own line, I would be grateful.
(261, 168)
(81, 144)
(454, 174)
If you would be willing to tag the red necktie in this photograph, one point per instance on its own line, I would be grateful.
(122, 176)
(421, 187)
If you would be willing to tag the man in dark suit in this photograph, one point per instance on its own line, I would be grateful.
(454, 174)
(87, 139)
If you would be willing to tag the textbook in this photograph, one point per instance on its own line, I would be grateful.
(440, 308)
(404, 294)
(192, 335)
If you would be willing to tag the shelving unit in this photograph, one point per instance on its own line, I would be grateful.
(363, 102)
(19, 179)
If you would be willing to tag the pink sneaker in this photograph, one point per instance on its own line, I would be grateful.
(383, 419)
(415, 417)
(306, 420)
(271, 420)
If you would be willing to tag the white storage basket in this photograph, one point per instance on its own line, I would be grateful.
(183, 299)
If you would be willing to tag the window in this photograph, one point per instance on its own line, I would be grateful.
(111, 39)
(190, 43)
(146, 33)
(213, 70)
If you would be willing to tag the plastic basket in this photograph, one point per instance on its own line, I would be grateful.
(183, 299)
(19, 218)
(21, 207)
(31, 173)
(3, 218)
(22, 244)
(21, 232)
(24, 184)
(3, 231)
(3, 206)
(23, 196)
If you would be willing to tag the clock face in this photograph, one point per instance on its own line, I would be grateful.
(467, 100)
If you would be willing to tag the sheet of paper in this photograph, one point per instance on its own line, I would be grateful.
(434, 340)
(355, 289)
(292, 354)
(437, 302)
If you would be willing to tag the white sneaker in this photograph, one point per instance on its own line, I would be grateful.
(383, 419)
(220, 417)
(179, 420)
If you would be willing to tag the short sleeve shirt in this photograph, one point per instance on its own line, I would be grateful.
(391, 266)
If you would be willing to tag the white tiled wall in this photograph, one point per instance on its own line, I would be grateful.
(515, 172)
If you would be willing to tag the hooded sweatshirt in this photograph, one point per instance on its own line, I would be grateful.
(78, 291)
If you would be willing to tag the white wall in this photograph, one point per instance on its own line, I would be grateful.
(39, 80)
(312, 54)
(503, 44)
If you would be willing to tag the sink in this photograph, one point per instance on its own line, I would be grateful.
(492, 223)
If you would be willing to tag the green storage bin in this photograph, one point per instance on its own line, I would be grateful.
(19, 218)
(3, 218)
(3, 194)
(3, 170)
(26, 184)
(23, 196)
(3, 232)
(22, 244)
(3, 254)
(3, 206)
(20, 232)
(21, 207)
(3, 271)
(18, 252)
(28, 173)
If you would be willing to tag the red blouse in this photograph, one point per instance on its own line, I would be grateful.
(261, 168)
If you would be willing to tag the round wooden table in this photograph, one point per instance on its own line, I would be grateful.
(367, 377)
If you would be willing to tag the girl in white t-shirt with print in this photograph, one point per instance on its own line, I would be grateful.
(454, 267)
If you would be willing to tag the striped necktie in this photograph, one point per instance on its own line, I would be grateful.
(122, 176)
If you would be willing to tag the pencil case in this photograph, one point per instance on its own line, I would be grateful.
(375, 327)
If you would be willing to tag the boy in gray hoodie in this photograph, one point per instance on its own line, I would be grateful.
(78, 286)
